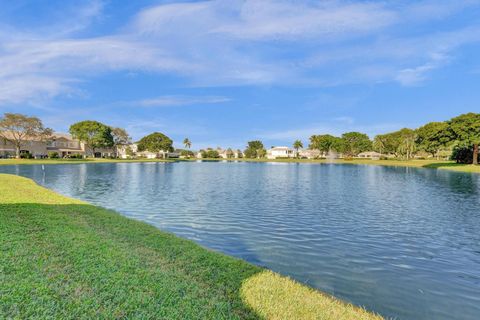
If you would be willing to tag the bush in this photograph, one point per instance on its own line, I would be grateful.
(75, 156)
(53, 155)
(187, 154)
(463, 154)
(26, 155)
(210, 154)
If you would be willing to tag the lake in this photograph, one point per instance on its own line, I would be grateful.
(403, 242)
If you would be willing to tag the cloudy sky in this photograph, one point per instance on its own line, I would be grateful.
(225, 72)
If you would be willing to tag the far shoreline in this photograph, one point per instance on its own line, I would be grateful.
(427, 164)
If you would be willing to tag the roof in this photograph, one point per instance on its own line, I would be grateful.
(55, 135)
(280, 148)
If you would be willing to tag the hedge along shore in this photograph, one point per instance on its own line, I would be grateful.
(64, 258)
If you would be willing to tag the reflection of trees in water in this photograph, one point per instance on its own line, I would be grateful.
(458, 182)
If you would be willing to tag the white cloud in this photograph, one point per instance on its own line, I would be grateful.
(233, 42)
(265, 20)
(32, 88)
(168, 101)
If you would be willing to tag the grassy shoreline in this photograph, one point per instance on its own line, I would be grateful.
(64, 258)
(431, 164)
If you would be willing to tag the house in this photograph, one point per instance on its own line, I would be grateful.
(63, 144)
(370, 155)
(310, 154)
(148, 155)
(35, 147)
(281, 152)
(229, 153)
(127, 151)
(173, 155)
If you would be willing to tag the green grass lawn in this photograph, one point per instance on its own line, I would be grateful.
(73, 161)
(61, 258)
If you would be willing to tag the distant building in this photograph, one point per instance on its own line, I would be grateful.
(370, 155)
(310, 154)
(124, 150)
(229, 153)
(281, 152)
(61, 143)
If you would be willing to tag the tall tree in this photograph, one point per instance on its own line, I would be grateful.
(434, 136)
(155, 142)
(93, 134)
(407, 145)
(120, 138)
(466, 129)
(325, 143)
(187, 143)
(379, 143)
(18, 128)
(255, 149)
(297, 145)
(355, 143)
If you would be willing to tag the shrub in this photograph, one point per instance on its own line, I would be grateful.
(187, 154)
(53, 155)
(210, 154)
(75, 156)
(463, 154)
(26, 155)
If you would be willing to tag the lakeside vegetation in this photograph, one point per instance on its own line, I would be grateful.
(457, 139)
(64, 258)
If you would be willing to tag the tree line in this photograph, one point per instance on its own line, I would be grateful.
(459, 136)
(18, 129)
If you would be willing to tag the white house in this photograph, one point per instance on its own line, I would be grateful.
(370, 155)
(123, 150)
(229, 153)
(309, 154)
(281, 152)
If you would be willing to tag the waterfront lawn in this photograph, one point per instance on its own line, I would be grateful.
(63, 258)
(432, 164)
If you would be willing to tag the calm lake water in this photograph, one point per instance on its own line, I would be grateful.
(400, 241)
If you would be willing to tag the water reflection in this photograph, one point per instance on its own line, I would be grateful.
(404, 242)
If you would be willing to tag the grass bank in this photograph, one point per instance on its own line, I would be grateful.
(73, 161)
(63, 258)
(432, 164)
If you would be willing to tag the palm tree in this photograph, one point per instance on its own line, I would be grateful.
(187, 143)
(297, 145)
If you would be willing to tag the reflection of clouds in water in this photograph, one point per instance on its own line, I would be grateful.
(370, 234)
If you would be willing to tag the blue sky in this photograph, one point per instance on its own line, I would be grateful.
(225, 72)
